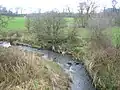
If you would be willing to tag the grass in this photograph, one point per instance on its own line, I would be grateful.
(22, 70)
(114, 35)
(112, 32)
(102, 59)
(101, 54)
(69, 20)
(17, 23)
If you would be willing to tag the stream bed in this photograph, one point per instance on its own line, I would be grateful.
(76, 70)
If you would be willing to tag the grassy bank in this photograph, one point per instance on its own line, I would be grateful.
(99, 50)
(101, 57)
(22, 70)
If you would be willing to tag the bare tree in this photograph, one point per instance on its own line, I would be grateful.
(69, 12)
(86, 10)
(99, 23)
(115, 13)
(16, 10)
(114, 3)
(48, 27)
(27, 22)
(90, 8)
(21, 10)
(39, 10)
(81, 13)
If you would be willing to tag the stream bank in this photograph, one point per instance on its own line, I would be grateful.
(76, 70)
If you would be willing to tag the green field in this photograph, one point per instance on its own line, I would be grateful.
(69, 20)
(17, 23)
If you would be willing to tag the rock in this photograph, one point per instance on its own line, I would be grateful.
(5, 44)
(63, 53)
(71, 69)
(77, 63)
(23, 44)
(69, 63)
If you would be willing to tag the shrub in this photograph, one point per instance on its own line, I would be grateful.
(3, 21)
(28, 22)
(102, 61)
(103, 66)
(75, 44)
(48, 28)
(99, 23)
(18, 37)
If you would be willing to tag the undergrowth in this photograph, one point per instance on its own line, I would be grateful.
(102, 60)
(22, 70)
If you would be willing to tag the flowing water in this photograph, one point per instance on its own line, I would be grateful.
(77, 72)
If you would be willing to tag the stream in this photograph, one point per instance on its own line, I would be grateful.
(76, 70)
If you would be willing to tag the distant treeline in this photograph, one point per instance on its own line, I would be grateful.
(6, 12)
(13, 15)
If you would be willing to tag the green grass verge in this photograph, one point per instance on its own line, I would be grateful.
(114, 35)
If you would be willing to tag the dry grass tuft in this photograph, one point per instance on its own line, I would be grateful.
(102, 61)
(20, 70)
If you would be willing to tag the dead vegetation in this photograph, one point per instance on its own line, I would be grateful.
(22, 70)
(102, 61)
